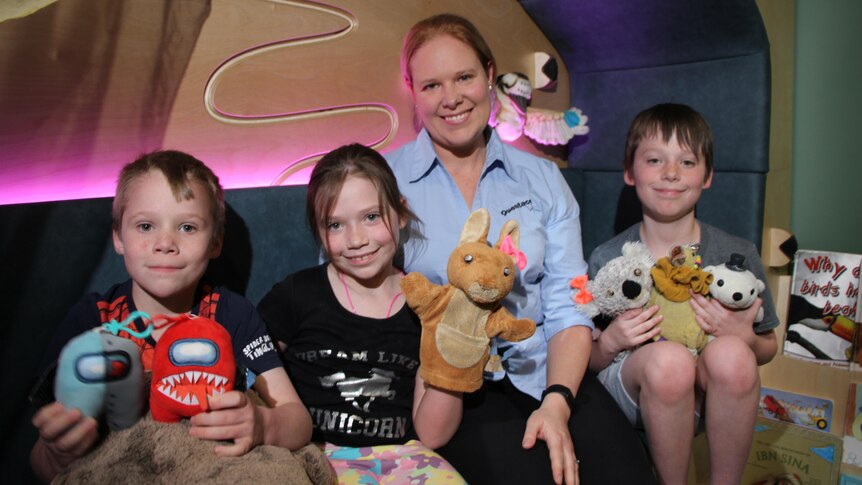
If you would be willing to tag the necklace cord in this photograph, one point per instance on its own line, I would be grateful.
(350, 301)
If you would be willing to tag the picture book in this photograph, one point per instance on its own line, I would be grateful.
(799, 409)
(848, 479)
(822, 313)
(853, 427)
(785, 453)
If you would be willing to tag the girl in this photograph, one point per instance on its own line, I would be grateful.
(349, 341)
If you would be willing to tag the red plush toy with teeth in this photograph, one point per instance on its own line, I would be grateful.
(193, 360)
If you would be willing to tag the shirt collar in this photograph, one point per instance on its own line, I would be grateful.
(425, 159)
(495, 155)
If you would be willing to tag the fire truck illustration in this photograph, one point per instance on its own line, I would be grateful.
(804, 415)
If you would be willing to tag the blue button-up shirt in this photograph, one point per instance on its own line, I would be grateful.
(513, 185)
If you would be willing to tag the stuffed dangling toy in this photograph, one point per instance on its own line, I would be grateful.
(100, 372)
(193, 360)
(513, 115)
(673, 277)
(460, 318)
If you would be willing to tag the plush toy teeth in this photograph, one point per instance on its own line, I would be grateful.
(192, 388)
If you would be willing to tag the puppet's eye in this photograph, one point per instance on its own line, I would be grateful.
(611, 293)
(637, 271)
(720, 283)
(506, 271)
(752, 291)
(468, 258)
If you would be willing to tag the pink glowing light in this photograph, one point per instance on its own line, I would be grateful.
(23, 184)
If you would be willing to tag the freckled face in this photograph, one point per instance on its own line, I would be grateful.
(668, 178)
(450, 89)
(358, 241)
(166, 245)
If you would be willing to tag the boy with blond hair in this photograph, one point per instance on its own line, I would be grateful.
(168, 223)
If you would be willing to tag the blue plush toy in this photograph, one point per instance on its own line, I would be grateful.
(100, 372)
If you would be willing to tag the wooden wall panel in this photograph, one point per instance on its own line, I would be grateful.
(87, 85)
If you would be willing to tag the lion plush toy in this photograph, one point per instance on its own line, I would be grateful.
(673, 276)
(459, 318)
(621, 284)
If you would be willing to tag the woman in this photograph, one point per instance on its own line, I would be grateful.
(527, 422)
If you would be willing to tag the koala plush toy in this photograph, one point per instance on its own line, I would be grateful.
(621, 284)
(735, 286)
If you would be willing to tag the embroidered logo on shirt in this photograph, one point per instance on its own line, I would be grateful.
(524, 203)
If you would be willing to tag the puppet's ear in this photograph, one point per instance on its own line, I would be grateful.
(476, 227)
(511, 229)
(510, 235)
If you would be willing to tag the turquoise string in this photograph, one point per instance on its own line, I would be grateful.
(115, 327)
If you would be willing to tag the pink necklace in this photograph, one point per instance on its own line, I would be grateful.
(353, 307)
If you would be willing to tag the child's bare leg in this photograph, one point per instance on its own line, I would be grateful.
(662, 375)
(727, 372)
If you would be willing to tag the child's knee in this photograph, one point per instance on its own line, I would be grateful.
(670, 373)
(731, 363)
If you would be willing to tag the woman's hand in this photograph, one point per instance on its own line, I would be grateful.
(549, 423)
(232, 416)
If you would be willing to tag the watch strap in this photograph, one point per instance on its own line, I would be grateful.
(561, 389)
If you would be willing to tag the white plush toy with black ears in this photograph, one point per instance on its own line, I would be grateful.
(734, 285)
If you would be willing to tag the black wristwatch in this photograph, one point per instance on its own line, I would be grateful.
(565, 391)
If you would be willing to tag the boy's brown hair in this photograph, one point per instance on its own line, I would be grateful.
(179, 169)
(664, 120)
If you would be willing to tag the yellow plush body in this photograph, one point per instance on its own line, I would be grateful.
(672, 280)
(460, 317)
